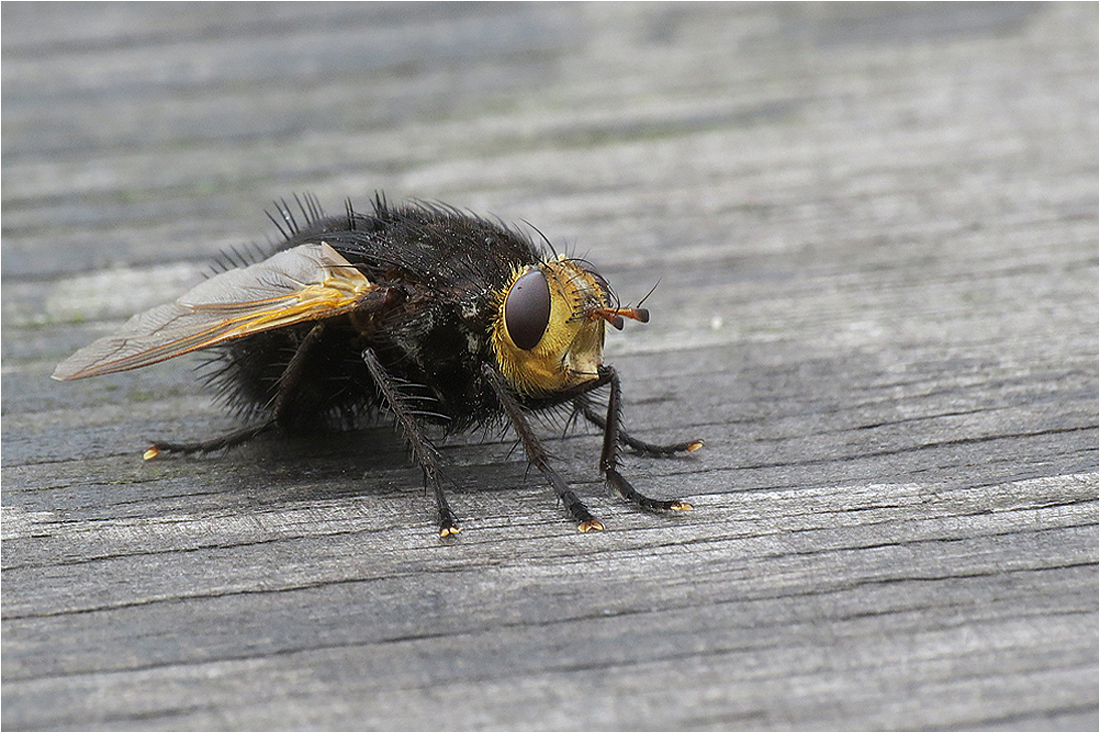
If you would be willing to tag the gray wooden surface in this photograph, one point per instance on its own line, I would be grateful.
(875, 231)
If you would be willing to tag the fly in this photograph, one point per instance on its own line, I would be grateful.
(431, 315)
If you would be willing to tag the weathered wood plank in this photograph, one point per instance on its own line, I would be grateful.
(875, 230)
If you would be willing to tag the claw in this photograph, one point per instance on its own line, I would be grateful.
(590, 525)
(448, 530)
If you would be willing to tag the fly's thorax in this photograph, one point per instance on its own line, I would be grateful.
(548, 329)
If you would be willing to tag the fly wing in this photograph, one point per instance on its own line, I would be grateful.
(306, 283)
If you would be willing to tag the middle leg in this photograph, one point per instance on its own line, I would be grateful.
(423, 451)
(640, 446)
(536, 454)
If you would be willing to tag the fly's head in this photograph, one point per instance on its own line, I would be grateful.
(549, 327)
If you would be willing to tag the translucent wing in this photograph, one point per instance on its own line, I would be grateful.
(308, 282)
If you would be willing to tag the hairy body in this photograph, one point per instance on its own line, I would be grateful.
(420, 311)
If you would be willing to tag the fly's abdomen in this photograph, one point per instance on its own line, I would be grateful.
(328, 384)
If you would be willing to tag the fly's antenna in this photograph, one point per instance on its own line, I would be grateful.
(615, 315)
(650, 292)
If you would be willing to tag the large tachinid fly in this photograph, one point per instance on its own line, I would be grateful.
(420, 311)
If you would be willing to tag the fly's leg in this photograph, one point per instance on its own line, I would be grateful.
(422, 449)
(536, 454)
(292, 376)
(282, 403)
(639, 446)
(230, 440)
(609, 457)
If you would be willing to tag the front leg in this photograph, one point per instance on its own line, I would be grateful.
(609, 457)
(536, 454)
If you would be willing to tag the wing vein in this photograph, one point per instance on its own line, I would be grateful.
(305, 283)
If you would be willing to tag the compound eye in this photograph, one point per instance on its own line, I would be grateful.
(527, 309)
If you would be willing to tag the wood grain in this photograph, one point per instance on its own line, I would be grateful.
(875, 234)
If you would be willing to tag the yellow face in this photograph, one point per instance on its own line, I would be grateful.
(549, 329)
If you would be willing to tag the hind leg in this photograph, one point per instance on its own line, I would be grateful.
(282, 404)
(229, 440)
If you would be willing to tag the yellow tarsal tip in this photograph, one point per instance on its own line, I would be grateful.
(150, 453)
(592, 525)
(681, 506)
(695, 445)
(450, 531)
